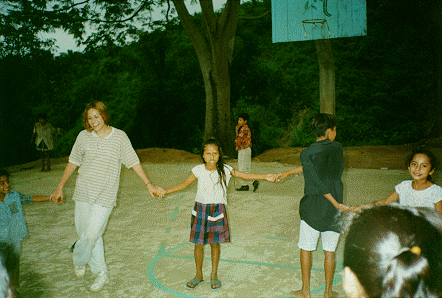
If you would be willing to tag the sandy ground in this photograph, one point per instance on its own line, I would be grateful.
(146, 241)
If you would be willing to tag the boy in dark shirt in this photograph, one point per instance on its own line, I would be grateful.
(322, 164)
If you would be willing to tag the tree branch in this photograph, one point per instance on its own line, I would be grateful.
(69, 8)
(257, 17)
(140, 8)
(189, 25)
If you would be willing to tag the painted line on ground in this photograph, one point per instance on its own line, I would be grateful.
(162, 252)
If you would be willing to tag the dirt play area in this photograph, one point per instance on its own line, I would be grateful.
(147, 240)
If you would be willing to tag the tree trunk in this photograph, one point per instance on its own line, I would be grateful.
(327, 95)
(213, 43)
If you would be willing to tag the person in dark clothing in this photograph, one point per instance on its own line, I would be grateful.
(322, 164)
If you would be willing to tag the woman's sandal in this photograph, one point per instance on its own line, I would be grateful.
(195, 283)
(215, 284)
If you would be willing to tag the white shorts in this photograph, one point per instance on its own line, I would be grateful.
(308, 238)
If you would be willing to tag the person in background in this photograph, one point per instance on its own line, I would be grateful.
(243, 144)
(43, 136)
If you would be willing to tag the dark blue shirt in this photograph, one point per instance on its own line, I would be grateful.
(323, 165)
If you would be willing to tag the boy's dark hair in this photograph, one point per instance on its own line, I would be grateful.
(244, 116)
(321, 122)
(428, 153)
(4, 172)
(395, 251)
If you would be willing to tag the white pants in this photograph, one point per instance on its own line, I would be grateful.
(90, 222)
(245, 163)
(308, 238)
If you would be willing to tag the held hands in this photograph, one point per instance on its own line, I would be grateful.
(155, 191)
(343, 208)
(281, 176)
(361, 207)
(271, 177)
(57, 196)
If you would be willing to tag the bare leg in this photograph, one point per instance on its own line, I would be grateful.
(329, 268)
(198, 253)
(215, 254)
(42, 161)
(306, 264)
(48, 161)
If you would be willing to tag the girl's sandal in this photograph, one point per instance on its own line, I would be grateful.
(215, 284)
(194, 282)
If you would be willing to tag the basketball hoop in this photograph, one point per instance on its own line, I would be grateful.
(314, 22)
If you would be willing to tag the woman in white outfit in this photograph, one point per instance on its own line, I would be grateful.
(99, 152)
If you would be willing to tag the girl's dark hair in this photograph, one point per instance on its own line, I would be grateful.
(321, 122)
(428, 153)
(395, 251)
(220, 163)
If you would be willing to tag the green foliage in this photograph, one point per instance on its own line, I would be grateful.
(154, 89)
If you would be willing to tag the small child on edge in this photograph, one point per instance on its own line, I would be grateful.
(12, 224)
(323, 165)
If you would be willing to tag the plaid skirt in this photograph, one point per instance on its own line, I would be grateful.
(209, 224)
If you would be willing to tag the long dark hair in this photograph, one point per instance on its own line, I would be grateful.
(395, 251)
(220, 163)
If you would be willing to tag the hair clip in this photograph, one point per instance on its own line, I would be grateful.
(416, 250)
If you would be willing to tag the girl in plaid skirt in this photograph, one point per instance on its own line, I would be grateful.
(209, 219)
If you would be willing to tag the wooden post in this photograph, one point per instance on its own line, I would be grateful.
(327, 94)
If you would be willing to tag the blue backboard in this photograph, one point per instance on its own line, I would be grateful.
(298, 20)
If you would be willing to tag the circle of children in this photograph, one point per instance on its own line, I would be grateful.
(392, 246)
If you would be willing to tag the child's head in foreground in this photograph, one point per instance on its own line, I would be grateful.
(394, 251)
(321, 122)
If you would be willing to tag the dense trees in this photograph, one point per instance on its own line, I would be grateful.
(385, 85)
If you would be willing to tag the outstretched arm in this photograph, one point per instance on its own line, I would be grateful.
(335, 203)
(251, 176)
(44, 199)
(57, 196)
(285, 174)
(182, 185)
(394, 197)
(153, 190)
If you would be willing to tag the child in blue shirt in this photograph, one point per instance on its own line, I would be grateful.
(12, 224)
